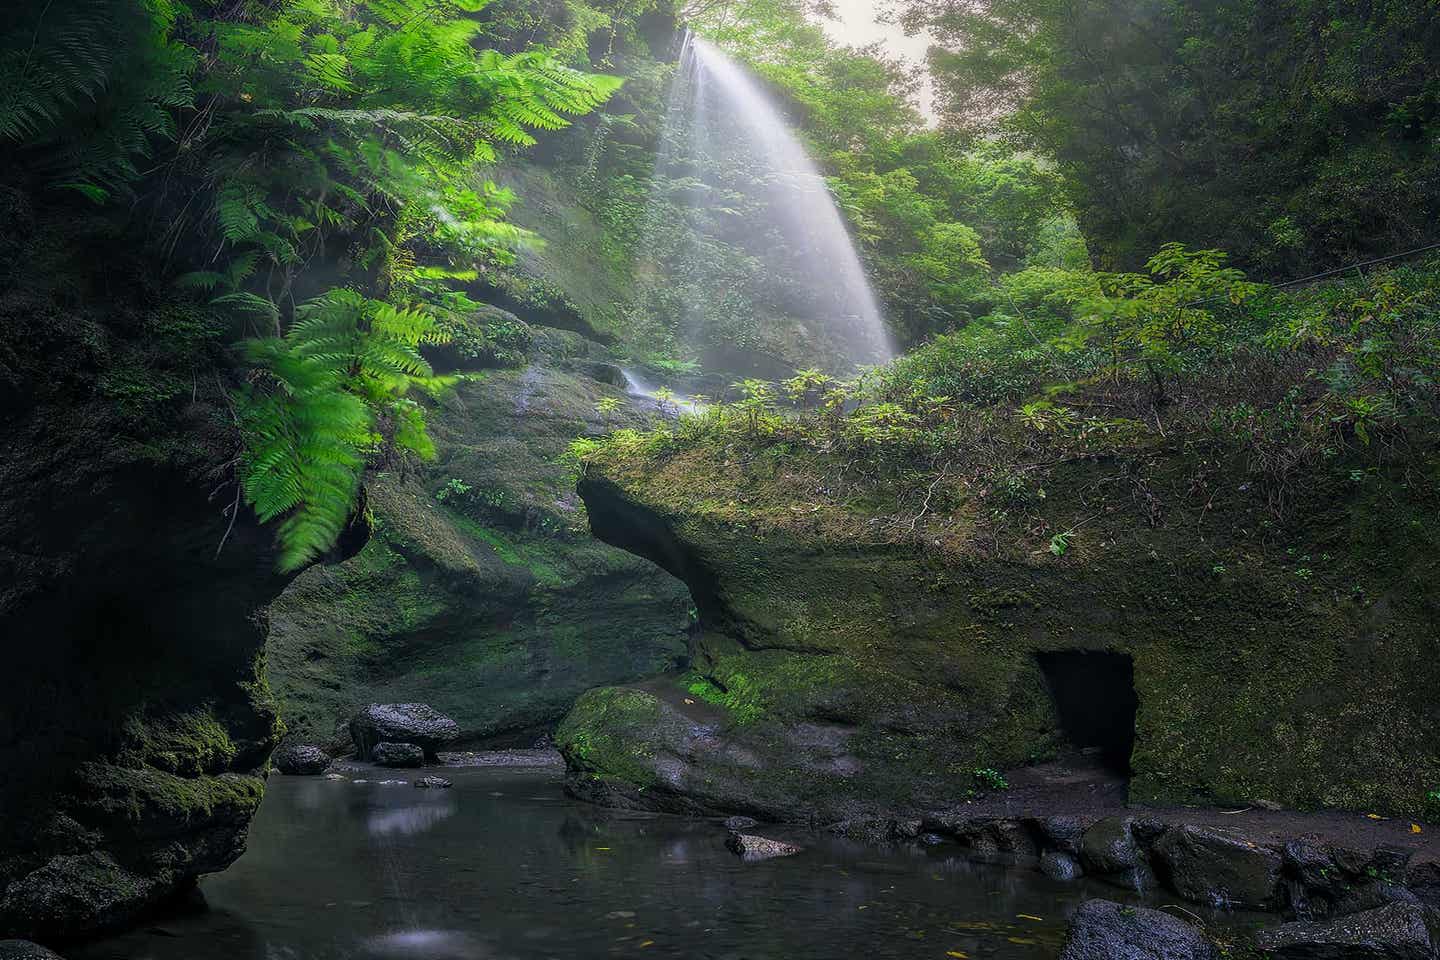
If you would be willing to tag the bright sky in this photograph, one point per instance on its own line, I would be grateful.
(856, 26)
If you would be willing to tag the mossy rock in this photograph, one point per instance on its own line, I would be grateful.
(481, 592)
(1289, 660)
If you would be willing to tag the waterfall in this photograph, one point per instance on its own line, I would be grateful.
(754, 257)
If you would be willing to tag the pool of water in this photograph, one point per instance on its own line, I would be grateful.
(505, 866)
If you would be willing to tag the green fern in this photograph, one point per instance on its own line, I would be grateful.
(311, 417)
(88, 87)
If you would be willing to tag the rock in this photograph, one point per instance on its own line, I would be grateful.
(25, 950)
(875, 830)
(747, 846)
(336, 776)
(1108, 847)
(1423, 879)
(1400, 931)
(1372, 896)
(738, 824)
(388, 754)
(1102, 930)
(1058, 865)
(413, 723)
(1062, 833)
(436, 783)
(1219, 867)
(301, 759)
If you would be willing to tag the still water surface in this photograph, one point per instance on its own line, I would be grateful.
(504, 866)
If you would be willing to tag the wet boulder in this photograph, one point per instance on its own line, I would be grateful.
(1102, 930)
(416, 723)
(301, 759)
(398, 755)
(1215, 866)
(738, 824)
(1059, 865)
(1400, 931)
(747, 846)
(433, 783)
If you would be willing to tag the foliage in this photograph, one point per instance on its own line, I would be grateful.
(1298, 136)
(1160, 319)
(315, 152)
(989, 778)
(313, 412)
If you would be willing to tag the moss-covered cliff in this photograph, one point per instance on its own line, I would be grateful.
(869, 646)
(480, 592)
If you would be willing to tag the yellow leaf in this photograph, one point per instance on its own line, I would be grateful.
(1030, 916)
(647, 943)
(957, 954)
(1022, 940)
(1374, 816)
(1415, 828)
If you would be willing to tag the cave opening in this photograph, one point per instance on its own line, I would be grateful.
(1095, 702)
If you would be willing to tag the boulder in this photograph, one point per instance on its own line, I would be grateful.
(1102, 930)
(415, 723)
(737, 824)
(1215, 866)
(1059, 865)
(747, 846)
(25, 950)
(433, 783)
(1108, 847)
(388, 754)
(301, 759)
(1400, 931)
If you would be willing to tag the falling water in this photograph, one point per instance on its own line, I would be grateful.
(754, 199)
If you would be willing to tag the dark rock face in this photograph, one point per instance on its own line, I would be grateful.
(25, 950)
(135, 718)
(1102, 930)
(393, 724)
(300, 760)
(1215, 866)
(1395, 932)
(407, 755)
(747, 846)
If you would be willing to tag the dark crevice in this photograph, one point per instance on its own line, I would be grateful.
(1095, 702)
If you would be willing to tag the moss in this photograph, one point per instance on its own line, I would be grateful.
(611, 731)
(486, 606)
(1299, 673)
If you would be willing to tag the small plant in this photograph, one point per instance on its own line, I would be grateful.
(988, 778)
(1432, 806)
(454, 489)
(1060, 544)
(606, 407)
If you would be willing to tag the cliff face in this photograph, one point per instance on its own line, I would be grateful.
(853, 662)
(480, 592)
(135, 723)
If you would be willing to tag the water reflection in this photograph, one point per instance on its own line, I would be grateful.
(339, 871)
(429, 944)
(409, 820)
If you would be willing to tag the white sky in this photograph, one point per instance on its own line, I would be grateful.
(856, 26)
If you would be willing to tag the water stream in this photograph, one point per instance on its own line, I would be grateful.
(505, 866)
